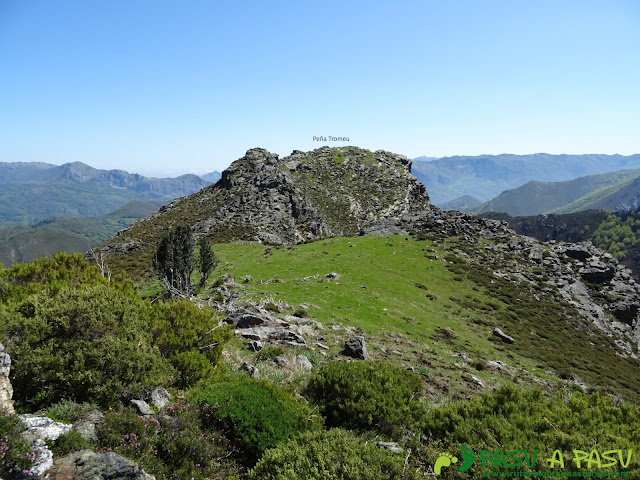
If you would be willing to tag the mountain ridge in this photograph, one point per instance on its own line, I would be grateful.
(79, 190)
(486, 176)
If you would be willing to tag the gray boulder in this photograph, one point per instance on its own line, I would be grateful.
(252, 370)
(597, 271)
(304, 362)
(503, 336)
(281, 360)
(39, 426)
(160, 397)
(143, 407)
(391, 446)
(577, 251)
(88, 425)
(355, 347)
(290, 338)
(88, 465)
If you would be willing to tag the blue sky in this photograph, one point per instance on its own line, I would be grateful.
(167, 87)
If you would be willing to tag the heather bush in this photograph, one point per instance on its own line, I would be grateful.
(190, 338)
(68, 411)
(512, 419)
(15, 453)
(256, 414)
(336, 453)
(171, 446)
(93, 343)
(68, 442)
(73, 333)
(367, 396)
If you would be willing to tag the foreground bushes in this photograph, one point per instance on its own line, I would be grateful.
(92, 343)
(256, 414)
(15, 453)
(367, 396)
(172, 446)
(330, 454)
(70, 332)
(513, 419)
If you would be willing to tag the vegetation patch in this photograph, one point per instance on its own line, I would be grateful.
(331, 454)
(256, 414)
(367, 396)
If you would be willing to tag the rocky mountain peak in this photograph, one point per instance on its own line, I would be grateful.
(304, 196)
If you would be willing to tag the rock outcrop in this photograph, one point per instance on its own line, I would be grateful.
(6, 392)
(88, 465)
(305, 196)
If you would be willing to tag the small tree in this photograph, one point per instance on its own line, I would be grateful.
(174, 259)
(207, 261)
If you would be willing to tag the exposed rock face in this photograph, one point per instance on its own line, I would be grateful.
(6, 391)
(38, 429)
(601, 290)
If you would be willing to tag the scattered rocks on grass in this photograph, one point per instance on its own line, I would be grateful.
(252, 370)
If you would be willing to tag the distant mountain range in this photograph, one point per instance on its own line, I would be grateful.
(212, 176)
(78, 190)
(45, 208)
(23, 243)
(486, 176)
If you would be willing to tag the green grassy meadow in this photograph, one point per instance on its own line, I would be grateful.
(420, 305)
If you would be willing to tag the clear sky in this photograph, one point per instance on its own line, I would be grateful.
(168, 87)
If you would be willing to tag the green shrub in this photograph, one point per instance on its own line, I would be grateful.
(189, 338)
(330, 454)
(68, 442)
(68, 411)
(367, 395)
(301, 313)
(15, 453)
(257, 414)
(47, 274)
(172, 446)
(72, 332)
(92, 342)
(512, 419)
(268, 353)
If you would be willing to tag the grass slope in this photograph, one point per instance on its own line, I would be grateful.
(420, 304)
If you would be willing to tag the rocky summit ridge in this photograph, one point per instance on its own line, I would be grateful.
(350, 191)
(302, 197)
